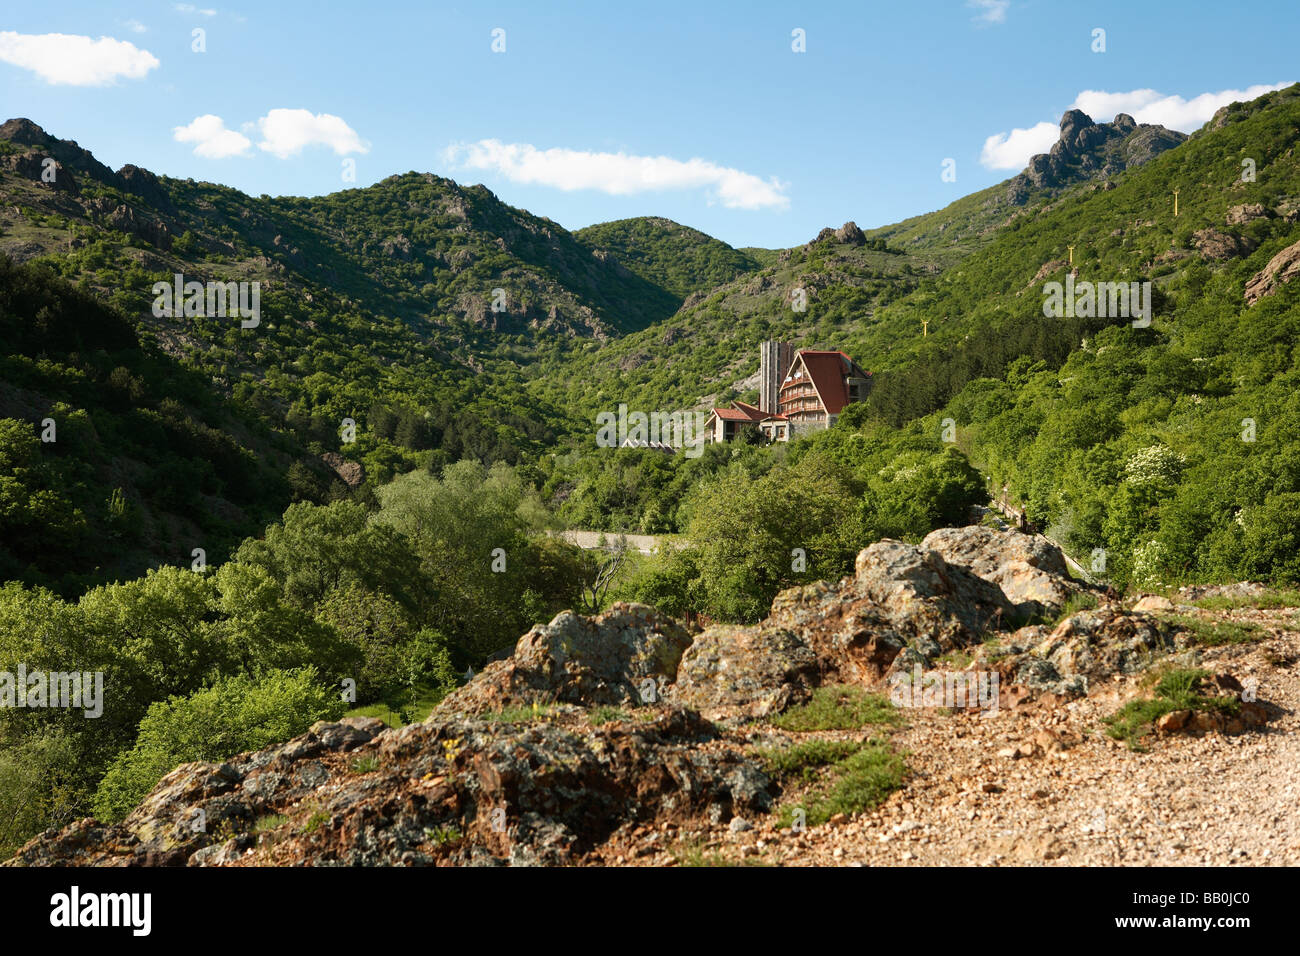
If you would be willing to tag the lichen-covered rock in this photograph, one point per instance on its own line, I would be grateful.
(1084, 649)
(1030, 570)
(611, 659)
(925, 598)
(745, 671)
(198, 804)
(445, 792)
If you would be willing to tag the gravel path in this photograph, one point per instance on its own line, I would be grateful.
(1073, 796)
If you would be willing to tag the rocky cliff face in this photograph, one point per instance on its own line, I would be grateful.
(605, 739)
(1088, 150)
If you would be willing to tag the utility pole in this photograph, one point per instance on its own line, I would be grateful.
(1071, 248)
(1175, 203)
(925, 328)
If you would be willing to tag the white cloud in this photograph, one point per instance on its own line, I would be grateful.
(1149, 106)
(286, 133)
(1013, 150)
(617, 174)
(990, 11)
(64, 59)
(191, 8)
(211, 138)
(135, 26)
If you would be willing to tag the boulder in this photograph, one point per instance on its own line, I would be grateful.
(1030, 570)
(1246, 212)
(926, 598)
(1094, 645)
(1281, 268)
(1215, 245)
(745, 671)
(609, 659)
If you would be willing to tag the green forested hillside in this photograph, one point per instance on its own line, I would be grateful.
(112, 454)
(1132, 441)
(668, 254)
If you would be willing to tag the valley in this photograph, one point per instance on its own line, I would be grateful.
(381, 461)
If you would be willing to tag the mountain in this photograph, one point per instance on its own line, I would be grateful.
(377, 301)
(1084, 152)
(672, 256)
(708, 351)
(113, 456)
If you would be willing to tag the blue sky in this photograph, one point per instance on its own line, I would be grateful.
(698, 111)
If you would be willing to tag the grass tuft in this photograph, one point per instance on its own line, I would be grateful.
(838, 708)
(1175, 689)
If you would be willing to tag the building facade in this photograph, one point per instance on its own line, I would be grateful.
(799, 390)
(818, 386)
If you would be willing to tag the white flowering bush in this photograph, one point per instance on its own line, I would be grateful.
(1154, 465)
(1148, 559)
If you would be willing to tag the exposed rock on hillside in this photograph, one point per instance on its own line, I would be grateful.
(745, 671)
(1213, 244)
(1029, 569)
(443, 792)
(1087, 646)
(616, 658)
(1088, 150)
(1246, 212)
(1283, 267)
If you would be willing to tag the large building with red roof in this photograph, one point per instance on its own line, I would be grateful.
(818, 386)
(815, 387)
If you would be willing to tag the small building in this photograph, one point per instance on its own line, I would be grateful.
(725, 424)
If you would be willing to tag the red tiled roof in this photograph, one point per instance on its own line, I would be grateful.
(732, 415)
(742, 412)
(827, 371)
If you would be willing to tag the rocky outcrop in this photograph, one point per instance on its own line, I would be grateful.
(623, 656)
(1246, 212)
(146, 185)
(351, 472)
(745, 672)
(933, 604)
(1029, 569)
(1215, 245)
(595, 734)
(1283, 267)
(904, 605)
(444, 792)
(850, 233)
(1088, 150)
(1084, 649)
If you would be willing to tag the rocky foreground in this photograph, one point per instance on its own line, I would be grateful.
(624, 739)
